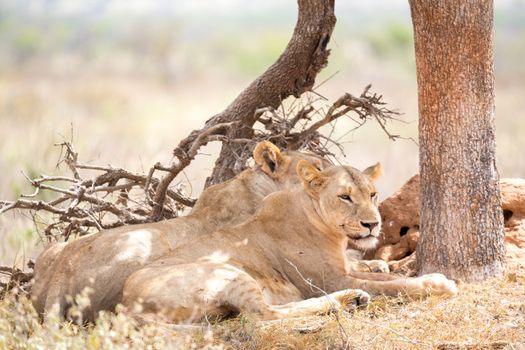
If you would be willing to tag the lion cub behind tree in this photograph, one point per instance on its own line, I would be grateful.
(103, 261)
(280, 262)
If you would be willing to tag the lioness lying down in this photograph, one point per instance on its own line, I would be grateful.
(278, 263)
(103, 261)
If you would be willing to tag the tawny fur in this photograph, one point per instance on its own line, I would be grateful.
(282, 261)
(103, 261)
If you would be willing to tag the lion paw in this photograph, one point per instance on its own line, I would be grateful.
(370, 266)
(438, 284)
(350, 299)
(378, 266)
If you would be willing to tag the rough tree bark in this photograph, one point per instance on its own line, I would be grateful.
(461, 218)
(293, 73)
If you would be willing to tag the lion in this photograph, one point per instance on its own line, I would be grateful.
(356, 252)
(102, 261)
(288, 260)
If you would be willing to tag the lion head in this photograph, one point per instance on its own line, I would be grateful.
(281, 166)
(346, 200)
(233, 201)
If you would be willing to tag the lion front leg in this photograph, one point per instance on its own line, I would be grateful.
(356, 263)
(431, 284)
(347, 299)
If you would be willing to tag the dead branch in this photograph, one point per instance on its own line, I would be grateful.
(83, 204)
(16, 278)
(300, 130)
(185, 153)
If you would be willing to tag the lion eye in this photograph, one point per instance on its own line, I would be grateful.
(346, 197)
(373, 194)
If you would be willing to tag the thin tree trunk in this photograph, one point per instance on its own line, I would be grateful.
(461, 219)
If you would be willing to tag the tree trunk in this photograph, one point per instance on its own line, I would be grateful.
(293, 73)
(461, 219)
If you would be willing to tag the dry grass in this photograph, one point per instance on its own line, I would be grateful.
(484, 314)
(490, 315)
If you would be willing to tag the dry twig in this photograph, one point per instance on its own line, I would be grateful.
(16, 278)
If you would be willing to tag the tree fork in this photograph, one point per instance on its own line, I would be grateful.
(293, 73)
(461, 219)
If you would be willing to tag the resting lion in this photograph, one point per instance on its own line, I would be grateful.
(103, 261)
(280, 262)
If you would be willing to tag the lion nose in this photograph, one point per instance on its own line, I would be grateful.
(369, 225)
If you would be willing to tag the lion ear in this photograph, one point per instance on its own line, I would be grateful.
(374, 171)
(311, 177)
(268, 156)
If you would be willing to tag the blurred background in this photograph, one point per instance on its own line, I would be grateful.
(126, 80)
